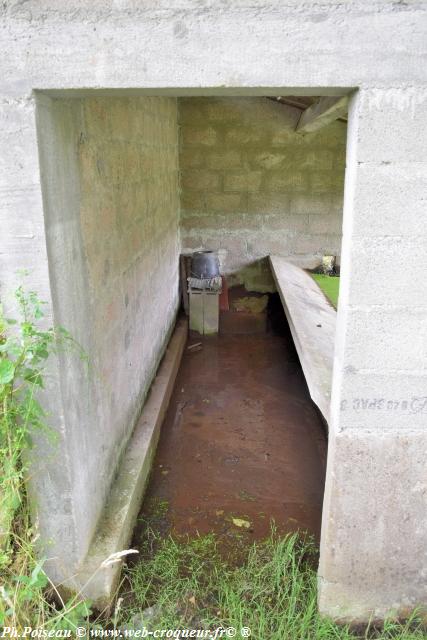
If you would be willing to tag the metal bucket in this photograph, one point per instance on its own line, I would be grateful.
(205, 264)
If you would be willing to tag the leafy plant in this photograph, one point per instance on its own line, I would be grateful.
(25, 347)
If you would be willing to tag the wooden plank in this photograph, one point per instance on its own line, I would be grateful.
(312, 321)
(322, 112)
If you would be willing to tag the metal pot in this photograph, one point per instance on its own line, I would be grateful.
(205, 264)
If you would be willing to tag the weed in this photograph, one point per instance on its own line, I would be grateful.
(187, 583)
(25, 347)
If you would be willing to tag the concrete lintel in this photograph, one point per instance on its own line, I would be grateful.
(115, 529)
(322, 112)
(184, 92)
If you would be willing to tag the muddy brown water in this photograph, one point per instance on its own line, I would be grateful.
(241, 441)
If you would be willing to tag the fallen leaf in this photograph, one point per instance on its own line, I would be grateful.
(192, 600)
(238, 522)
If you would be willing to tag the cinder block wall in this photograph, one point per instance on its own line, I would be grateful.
(251, 186)
(110, 178)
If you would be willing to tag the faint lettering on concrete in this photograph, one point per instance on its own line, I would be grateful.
(416, 404)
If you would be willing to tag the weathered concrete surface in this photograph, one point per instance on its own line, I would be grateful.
(312, 320)
(268, 47)
(109, 176)
(374, 534)
(239, 45)
(97, 579)
(251, 186)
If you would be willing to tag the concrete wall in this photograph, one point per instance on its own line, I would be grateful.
(376, 476)
(376, 487)
(109, 173)
(251, 186)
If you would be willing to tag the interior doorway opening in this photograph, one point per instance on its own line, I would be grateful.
(130, 183)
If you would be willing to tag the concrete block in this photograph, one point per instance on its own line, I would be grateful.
(389, 199)
(294, 182)
(390, 271)
(372, 562)
(315, 203)
(268, 160)
(270, 203)
(223, 159)
(198, 222)
(192, 158)
(379, 401)
(225, 202)
(243, 136)
(200, 180)
(286, 222)
(192, 201)
(247, 181)
(206, 136)
(327, 181)
(386, 338)
(387, 120)
(324, 223)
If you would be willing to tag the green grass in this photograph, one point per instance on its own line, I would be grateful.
(330, 286)
(190, 585)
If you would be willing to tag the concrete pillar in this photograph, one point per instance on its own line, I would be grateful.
(374, 537)
(23, 247)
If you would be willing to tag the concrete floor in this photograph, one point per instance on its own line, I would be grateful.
(241, 439)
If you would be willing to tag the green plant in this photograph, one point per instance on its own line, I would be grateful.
(25, 347)
(189, 583)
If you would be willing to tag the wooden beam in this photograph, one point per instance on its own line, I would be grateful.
(322, 112)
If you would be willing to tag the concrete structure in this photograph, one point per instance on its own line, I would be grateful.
(251, 185)
(373, 550)
(312, 321)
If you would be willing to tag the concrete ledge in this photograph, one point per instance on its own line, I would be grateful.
(115, 529)
(312, 321)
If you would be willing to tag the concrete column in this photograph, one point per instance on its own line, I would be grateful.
(374, 537)
(23, 248)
